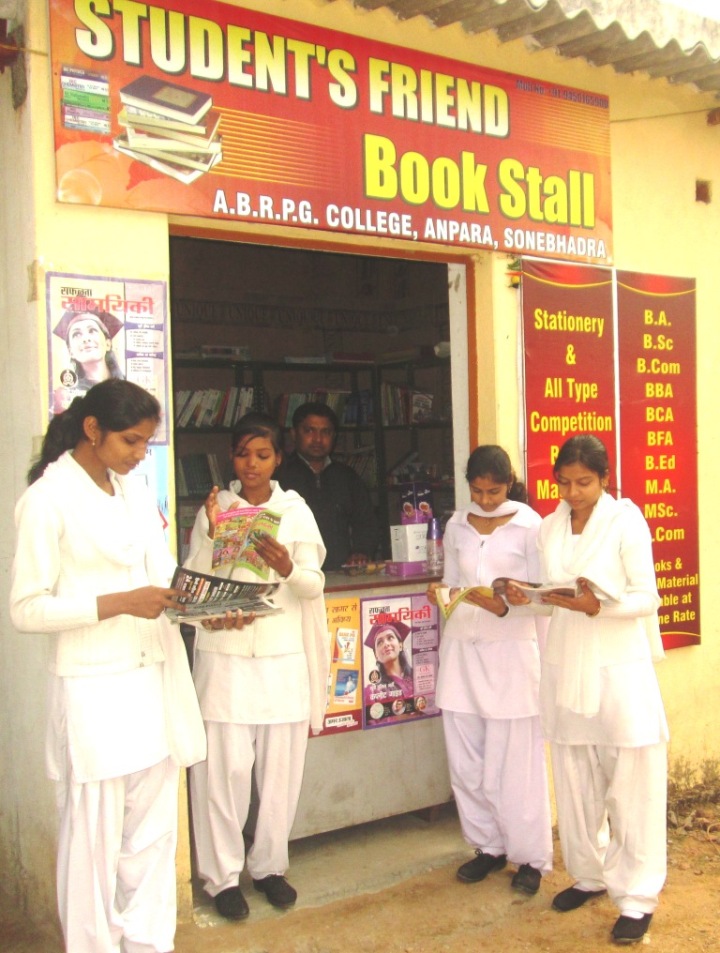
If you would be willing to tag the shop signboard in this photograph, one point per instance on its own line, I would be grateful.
(569, 344)
(658, 435)
(225, 113)
(613, 354)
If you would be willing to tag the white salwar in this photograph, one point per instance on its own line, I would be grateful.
(122, 711)
(601, 706)
(488, 691)
(260, 689)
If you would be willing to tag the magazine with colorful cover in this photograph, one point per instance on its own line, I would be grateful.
(207, 597)
(234, 541)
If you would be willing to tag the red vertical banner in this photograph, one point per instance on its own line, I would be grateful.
(569, 344)
(658, 430)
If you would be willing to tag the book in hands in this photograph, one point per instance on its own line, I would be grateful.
(536, 591)
(236, 532)
(207, 597)
(449, 599)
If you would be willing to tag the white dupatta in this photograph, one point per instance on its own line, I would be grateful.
(596, 556)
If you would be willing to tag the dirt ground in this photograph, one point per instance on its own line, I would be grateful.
(434, 913)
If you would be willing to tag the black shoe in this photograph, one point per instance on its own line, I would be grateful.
(630, 930)
(277, 890)
(526, 879)
(231, 904)
(479, 867)
(573, 897)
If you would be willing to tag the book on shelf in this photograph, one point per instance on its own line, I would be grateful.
(185, 518)
(197, 474)
(236, 532)
(419, 352)
(420, 407)
(207, 597)
(166, 99)
(352, 357)
(183, 416)
(311, 359)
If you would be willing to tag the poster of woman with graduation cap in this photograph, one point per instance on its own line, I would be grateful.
(102, 327)
(88, 335)
(400, 638)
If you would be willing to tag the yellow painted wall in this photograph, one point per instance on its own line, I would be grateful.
(660, 146)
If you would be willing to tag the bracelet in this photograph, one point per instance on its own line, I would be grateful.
(503, 614)
(591, 615)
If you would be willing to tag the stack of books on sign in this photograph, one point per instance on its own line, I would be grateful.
(169, 127)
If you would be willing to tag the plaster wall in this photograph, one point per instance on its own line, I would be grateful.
(660, 146)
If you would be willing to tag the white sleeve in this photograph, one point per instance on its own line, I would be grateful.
(34, 604)
(306, 578)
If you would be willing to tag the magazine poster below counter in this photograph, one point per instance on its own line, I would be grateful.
(399, 681)
(344, 709)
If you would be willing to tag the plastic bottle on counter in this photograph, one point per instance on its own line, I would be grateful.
(435, 556)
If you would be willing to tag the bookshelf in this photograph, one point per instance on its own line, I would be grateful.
(395, 422)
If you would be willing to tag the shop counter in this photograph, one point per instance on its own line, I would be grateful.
(372, 760)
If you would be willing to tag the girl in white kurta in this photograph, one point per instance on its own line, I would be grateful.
(259, 686)
(92, 569)
(600, 701)
(488, 680)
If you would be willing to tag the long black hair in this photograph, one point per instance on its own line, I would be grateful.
(116, 405)
(493, 462)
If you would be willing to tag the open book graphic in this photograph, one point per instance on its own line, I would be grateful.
(210, 596)
(235, 535)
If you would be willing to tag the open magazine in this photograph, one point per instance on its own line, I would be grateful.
(534, 590)
(234, 541)
(210, 596)
(449, 599)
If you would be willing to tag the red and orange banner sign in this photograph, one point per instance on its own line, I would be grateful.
(569, 340)
(646, 414)
(243, 116)
(658, 435)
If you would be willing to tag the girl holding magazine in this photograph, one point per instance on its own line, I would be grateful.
(92, 571)
(600, 700)
(261, 682)
(488, 680)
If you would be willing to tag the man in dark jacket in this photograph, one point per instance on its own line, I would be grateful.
(334, 492)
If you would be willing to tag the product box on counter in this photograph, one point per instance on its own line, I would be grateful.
(408, 542)
(406, 568)
(415, 503)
